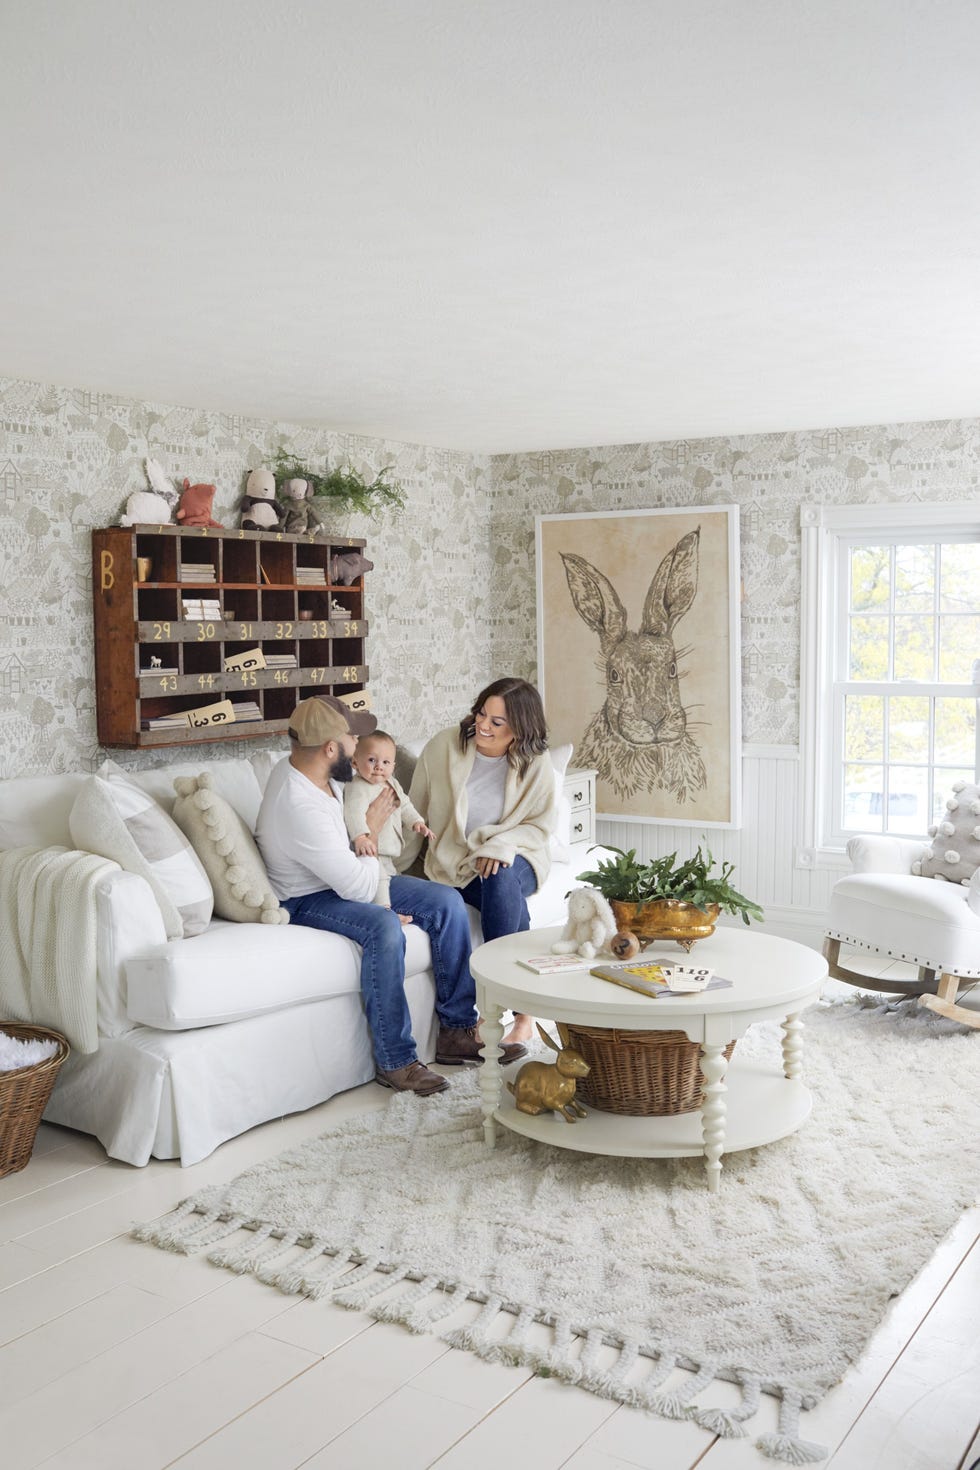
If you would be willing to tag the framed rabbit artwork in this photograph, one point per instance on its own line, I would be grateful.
(638, 657)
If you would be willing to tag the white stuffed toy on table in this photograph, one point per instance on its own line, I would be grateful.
(589, 926)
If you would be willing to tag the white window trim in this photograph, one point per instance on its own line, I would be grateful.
(821, 526)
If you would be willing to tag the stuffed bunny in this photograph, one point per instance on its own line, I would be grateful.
(589, 926)
(153, 507)
(542, 1087)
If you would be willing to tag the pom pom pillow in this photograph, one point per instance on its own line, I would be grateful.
(227, 849)
(115, 819)
(955, 851)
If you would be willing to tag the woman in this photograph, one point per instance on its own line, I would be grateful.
(487, 788)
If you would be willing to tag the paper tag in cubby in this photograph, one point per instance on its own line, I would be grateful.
(222, 713)
(252, 658)
(359, 700)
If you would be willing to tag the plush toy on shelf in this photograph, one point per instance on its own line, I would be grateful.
(259, 509)
(347, 566)
(298, 493)
(153, 507)
(195, 506)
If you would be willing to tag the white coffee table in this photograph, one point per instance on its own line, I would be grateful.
(745, 1104)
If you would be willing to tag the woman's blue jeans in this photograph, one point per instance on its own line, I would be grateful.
(501, 900)
(436, 909)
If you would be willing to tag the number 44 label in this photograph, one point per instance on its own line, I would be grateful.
(222, 713)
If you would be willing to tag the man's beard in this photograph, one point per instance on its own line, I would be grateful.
(342, 770)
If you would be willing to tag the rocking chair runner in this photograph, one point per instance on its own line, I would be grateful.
(883, 907)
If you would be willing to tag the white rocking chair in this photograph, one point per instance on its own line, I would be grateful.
(883, 907)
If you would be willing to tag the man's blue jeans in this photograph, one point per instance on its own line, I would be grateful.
(501, 900)
(436, 909)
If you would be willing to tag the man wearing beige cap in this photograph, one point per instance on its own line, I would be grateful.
(323, 884)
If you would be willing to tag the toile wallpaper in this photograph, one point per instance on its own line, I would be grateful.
(451, 602)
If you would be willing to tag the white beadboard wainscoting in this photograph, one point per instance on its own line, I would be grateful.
(795, 899)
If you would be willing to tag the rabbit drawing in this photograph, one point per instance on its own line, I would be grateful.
(639, 739)
(542, 1087)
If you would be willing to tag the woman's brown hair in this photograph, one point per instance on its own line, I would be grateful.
(525, 716)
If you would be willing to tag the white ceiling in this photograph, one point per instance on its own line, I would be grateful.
(498, 224)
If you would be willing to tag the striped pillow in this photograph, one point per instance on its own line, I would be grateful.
(113, 818)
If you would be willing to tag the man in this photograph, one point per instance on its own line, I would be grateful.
(304, 842)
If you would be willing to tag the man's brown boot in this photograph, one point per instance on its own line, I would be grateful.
(459, 1046)
(413, 1078)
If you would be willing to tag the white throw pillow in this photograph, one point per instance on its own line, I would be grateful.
(954, 855)
(113, 818)
(227, 849)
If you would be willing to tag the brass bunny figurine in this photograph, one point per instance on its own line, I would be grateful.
(542, 1087)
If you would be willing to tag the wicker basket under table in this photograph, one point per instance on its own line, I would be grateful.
(643, 1074)
(24, 1096)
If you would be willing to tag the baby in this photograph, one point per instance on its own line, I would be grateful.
(374, 762)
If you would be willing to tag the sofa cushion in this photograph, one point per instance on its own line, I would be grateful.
(117, 820)
(955, 852)
(235, 780)
(900, 915)
(34, 810)
(227, 850)
(231, 972)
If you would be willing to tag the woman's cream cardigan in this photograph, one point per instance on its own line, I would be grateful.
(439, 791)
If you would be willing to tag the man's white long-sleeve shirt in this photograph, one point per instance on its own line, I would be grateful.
(304, 843)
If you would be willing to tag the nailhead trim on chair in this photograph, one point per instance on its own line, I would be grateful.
(894, 955)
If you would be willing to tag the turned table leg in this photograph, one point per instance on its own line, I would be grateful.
(792, 1047)
(491, 1079)
(714, 1113)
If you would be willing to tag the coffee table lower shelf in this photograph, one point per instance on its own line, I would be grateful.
(761, 1106)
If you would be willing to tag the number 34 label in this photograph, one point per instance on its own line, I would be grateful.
(222, 713)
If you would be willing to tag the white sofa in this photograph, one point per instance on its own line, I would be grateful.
(202, 1038)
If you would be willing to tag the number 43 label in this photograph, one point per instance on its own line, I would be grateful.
(222, 713)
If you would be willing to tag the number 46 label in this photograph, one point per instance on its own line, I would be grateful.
(222, 713)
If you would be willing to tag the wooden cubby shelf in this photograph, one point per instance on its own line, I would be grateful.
(261, 598)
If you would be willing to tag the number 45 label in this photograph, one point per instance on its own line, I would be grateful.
(222, 713)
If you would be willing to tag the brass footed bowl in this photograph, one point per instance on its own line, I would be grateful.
(638, 924)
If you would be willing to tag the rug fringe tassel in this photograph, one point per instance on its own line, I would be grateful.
(610, 1383)
(730, 1423)
(405, 1307)
(676, 1403)
(245, 1255)
(357, 1291)
(440, 1304)
(786, 1444)
(476, 1337)
(173, 1231)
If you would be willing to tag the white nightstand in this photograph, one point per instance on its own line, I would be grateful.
(579, 788)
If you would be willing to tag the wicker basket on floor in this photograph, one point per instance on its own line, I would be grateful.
(642, 1074)
(24, 1096)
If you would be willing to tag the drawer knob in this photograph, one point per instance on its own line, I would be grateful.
(578, 827)
(578, 797)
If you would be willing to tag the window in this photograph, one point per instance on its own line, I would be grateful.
(891, 652)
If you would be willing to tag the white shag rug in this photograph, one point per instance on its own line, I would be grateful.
(775, 1283)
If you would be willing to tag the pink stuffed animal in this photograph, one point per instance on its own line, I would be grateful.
(195, 506)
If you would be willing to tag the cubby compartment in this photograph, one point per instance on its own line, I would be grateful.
(262, 582)
(239, 563)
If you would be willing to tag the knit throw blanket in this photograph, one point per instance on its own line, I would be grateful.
(48, 935)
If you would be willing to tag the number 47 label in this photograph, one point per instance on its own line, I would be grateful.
(222, 713)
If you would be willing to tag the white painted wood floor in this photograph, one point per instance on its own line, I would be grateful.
(120, 1356)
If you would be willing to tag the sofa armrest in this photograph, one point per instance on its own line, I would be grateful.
(874, 853)
(129, 921)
